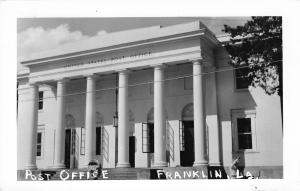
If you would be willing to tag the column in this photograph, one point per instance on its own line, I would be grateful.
(90, 120)
(123, 121)
(29, 136)
(199, 115)
(59, 145)
(213, 122)
(159, 118)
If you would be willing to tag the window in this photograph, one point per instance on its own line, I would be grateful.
(188, 83)
(242, 80)
(41, 97)
(39, 143)
(98, 140)
(244, 133)
(148, 137)
(82, 142)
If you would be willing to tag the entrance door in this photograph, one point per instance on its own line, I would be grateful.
(68, 148)
(187, 156)
(132, 150)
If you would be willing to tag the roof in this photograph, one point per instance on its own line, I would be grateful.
(118, 38)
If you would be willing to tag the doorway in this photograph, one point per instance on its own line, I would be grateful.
(187, 155)
(132, 151)
(70, 148)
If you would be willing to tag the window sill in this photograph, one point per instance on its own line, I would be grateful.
(40, 111)
(39, 158)
(245, 151)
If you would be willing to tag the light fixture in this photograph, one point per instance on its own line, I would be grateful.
(115, 120)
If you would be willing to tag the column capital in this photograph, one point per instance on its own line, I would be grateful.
(91, 76)
(123, 71)
(61, 80)
(158, 66)
(197, 61)
(33, 84)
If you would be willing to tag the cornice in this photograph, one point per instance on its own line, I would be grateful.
(120, 47)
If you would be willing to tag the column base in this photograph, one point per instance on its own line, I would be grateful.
(84, 166)
(200, 163)
(215, 164)
(58, 166)
(30, 167)
(160, 164)
(123, 165)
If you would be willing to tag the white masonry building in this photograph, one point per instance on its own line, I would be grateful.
(144, 98)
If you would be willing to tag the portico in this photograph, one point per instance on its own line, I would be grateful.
(160, 159)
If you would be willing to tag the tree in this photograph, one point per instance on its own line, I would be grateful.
(258, 46)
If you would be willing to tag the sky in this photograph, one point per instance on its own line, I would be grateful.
(40, 34)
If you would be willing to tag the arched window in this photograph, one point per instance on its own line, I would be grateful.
(131, 122)
(99, 119)
(131, 116)
(188, 112)
(70, 121)
(150, 116)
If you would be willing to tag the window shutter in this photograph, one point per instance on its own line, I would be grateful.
(147, 138)
(181, 136)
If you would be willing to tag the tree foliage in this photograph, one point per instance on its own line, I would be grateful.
(258, 46)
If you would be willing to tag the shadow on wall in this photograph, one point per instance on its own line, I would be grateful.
(231, 99)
